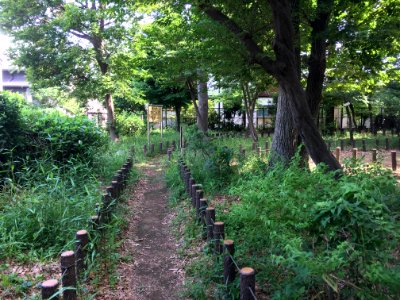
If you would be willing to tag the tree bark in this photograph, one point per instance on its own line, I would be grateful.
(249, 106)
(178, 117)
(110, 117)
(285, 139)
(202, 116)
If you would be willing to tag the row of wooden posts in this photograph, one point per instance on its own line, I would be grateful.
(160, 148)
(214, 233)
(73, 263)
(393, 154)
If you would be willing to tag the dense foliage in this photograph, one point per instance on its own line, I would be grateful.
(307, 234)
(28, 133)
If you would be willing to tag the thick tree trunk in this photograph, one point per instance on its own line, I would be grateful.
(178, 117)
(110, 117)
(285, 140)
(202, 116)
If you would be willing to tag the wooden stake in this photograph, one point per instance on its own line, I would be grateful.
(68, 275)
(49, 288)
(374, 155)
(354, 153)
(394, 160)
(210, 218)
(82, 240)
(337, 154)
(229, 266)
(247, 283)
(219, 236)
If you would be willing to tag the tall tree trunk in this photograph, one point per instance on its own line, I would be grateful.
(285, 139)
(110, 117)
(202, 116)
(178, 117)
(249, 106)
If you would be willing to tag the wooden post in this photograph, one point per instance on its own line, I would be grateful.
(210, 218)
(247, 283)
(68, 274)
(364, 147)
(259, 151)
(191, 183)
(219, 236)
(199, 195)
(266, 146)
(169, 152)
(387, 147)
(115, 189)
(341, 145)
(229, 265)
(173, 145)
(337, 153)
(353, 143)
(49, 288)
(394, 160)
(354, 153)
(193, 194)
(145, 150)
(94, 222)
(160, 147)
(203, 207)
(374, 155)
(82, 239)
(152, 149)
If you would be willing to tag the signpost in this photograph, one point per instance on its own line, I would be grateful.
(154, 115)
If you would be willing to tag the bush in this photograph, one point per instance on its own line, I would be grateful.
(310, 236)
(12, 129)
(64, 137)
(129, 124)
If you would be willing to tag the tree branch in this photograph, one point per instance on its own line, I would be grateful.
(257, 54)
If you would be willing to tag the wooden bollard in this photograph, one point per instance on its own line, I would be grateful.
(115, 186)
(49, 288)
(337, 153)
(374, 155)
(210, 218)
(219, 235)
(82, 239)
(193, 193)
(229, 265)
(259, 151)
(199, 195)
(191, 183)
(160, 147)
(394, 160)
(68, 274)
(203, 207)
(354, 151)
(187, 181)
(169, 153)
(387, 146)
(94, 222)
(145, 150)
(364, 147)
(247, 283)
(152, 149)
(342, 145)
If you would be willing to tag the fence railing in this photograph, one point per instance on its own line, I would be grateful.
(214, 233)
(73, 263)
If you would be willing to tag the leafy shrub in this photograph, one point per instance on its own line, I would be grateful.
(12, 128)
(309, 235)
(129, 124)
(64, 137)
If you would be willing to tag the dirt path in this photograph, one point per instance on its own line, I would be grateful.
(154, 270)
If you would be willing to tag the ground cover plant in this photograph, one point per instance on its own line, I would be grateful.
(307, 234)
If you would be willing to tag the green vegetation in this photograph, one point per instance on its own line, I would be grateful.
(306, 233)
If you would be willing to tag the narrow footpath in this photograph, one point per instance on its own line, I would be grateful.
(153, 271)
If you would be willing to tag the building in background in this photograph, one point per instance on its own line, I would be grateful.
(14, 81)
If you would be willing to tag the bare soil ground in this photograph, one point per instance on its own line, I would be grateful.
(155, 271)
